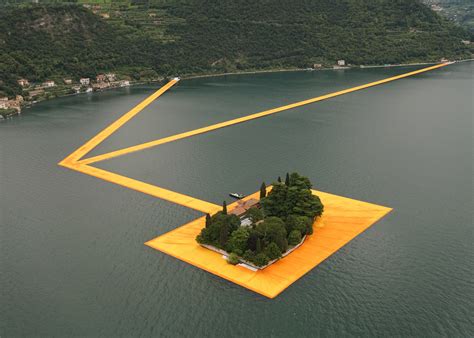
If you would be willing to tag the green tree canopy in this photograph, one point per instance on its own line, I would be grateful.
(238, 241)
(272, 229)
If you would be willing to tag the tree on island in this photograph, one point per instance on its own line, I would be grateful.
(293, 199)
(285, 216)
(263, 190)
(255, 214)
(223, 234)
(272, 230)
(272, 251)
(294, 238)
(224, 208)
(238, 241)
(219, 230)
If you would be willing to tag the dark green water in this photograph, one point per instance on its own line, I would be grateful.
(72, 255)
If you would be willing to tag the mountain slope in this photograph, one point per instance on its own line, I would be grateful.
(207, 36)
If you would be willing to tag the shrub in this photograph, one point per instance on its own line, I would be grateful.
(300, 223)
(233, 259)
(294, 238)
(272, 251)
(248, 255)
(255, 214)
(261, 259)
(238, 240)
(272, 229)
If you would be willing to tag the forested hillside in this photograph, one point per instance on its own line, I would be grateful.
(459, 11)
(148, 39)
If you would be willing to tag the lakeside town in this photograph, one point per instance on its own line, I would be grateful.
(36, 92)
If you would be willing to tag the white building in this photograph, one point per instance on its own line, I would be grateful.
(341, 63)
(85, 81)
(110, 77)
(3, 102)
(49, 83)
(23, 82)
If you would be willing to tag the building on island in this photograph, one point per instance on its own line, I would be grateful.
(23, 82)
(85, 81)
(341, 63)
(124, 83)
(243, 206)
(67, 81)
(49, 84)
(317, 66)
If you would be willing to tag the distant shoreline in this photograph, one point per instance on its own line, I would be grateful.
(190, 77)
(282, 70)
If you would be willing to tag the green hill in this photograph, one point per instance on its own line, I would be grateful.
(147, 39)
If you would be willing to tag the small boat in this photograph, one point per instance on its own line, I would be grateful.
(236, 195)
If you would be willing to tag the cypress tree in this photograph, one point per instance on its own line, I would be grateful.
(224, 235)
(279, 179)
(259, 246)
(208, 220)
(263, 190)
(287, 180)
(224, 208)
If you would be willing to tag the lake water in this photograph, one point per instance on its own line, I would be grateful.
(72, 255)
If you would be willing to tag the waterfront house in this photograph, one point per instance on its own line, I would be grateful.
(85, 81)
(341, 63)
(23, 82)
(110, 77)
(3, 102)
(100, 86)
(317, 66)
(101, 78)
(49, 84)
(124, 83)
(67, 81)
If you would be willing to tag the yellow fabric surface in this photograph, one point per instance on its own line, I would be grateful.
(342, 221)
(207, 129)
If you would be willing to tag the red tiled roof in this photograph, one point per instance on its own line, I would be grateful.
(238, 211)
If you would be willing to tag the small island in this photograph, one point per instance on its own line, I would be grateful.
(257, 233)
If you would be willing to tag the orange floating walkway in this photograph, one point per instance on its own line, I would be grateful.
(343, 218)
(342, 221)
(249, 117)
(150, 189)
(100, 137)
